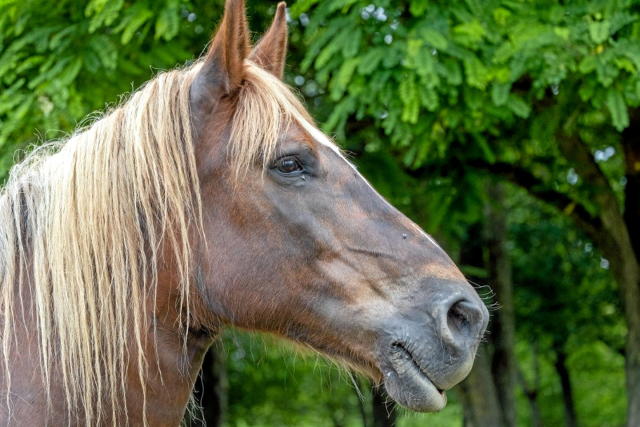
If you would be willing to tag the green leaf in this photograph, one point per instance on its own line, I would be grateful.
(562, 32)
(316, 44)
(135, 21)
(488, 153)
(339, 42)
(500, 93)
(618, 109)
(95, 6)
(470, 33)
(301, 6)
(476, 72)
(588, 64)
(50, 73)
(168, 23)
(15, 118)
(429, 98)
(56, 39)
(352, 45)
(105, 50)
(409, 95)
(451, 71)
(519, 107)
(599, 31)
(587, 89)
(607, 73)
(418, 7)
(434, 38)
(407, 88)
(501, 16)
(339, 115)
(632, 51)
(70, 72)
(343, 77)
(370, 60)
(104, 13)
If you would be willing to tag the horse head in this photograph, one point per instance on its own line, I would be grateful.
(295, 241)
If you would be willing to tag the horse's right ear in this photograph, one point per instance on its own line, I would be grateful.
(271, 51)
(222, 70)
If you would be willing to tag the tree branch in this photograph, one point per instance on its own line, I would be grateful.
(615, 240)
(537, 188)
(541, 191)
(579, 155)
(631, 148)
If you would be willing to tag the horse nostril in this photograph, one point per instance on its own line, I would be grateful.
(464, 319)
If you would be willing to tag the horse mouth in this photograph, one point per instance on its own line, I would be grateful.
(408, 382)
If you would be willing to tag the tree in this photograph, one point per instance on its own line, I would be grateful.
(58, 64)
(383, 409)
(211, 390)
(489, 391)
(545, 95)
(570, 298)
(434, 99)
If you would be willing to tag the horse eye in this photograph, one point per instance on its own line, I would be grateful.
(288, 165)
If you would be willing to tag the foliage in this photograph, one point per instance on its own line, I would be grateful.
(419, 92)
(57, 64)
(491, 63)
(274, 384)
(514, 88)
(270, 384)
(562, 286)
(446, 84)
(597, 375)
(564, 280)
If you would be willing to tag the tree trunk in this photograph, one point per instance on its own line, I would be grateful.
(614, 237)
(630, 274)
(359, 385)
(532, 398)
(384, 414)
(631, 147)
(503, 364)
(560, 365)
(478, 392)
(479, 396)
(626, 273)
(614, 231)
(615, 245)
(211, 392)
(531, 391)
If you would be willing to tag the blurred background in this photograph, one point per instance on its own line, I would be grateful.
(508, 129)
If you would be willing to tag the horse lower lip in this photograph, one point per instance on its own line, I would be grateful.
(408, 384)
(409, 357)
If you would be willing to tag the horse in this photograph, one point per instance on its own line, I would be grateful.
(208, 199)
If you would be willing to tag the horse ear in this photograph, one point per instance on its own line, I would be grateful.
(223, 67)
(271, 51)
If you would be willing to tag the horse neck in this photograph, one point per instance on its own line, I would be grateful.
(174, 359)
(171, 376)
(173, 367)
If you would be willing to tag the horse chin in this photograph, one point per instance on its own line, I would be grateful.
(408, 384)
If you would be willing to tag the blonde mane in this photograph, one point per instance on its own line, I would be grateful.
(83, 220)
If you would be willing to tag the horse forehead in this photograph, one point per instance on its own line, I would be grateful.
(298, 134)
(318, 136)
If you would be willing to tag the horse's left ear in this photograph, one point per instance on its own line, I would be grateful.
(222, 69)
(271, 51)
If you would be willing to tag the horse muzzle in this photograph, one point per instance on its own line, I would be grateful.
(424, 354)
